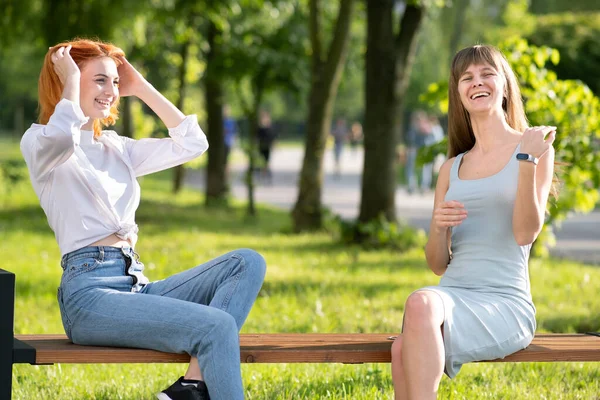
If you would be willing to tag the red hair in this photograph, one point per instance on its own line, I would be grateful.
(50, 87)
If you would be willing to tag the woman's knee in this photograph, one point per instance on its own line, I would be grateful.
(223, 327)
(254, 263)
(219, 333)
(423, 309)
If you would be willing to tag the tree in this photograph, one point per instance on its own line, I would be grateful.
(197, 29)
(388, 63)
(267, 52)
(216, 184)
(575, 36)
(326, 71)
(184, 54)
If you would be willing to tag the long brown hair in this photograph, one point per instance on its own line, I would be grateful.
(460, 132)
(50, 87)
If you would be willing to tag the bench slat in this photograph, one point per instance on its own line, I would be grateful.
(303, 348)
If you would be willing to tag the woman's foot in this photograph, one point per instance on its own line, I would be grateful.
(185, 390)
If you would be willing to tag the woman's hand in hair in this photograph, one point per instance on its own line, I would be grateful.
(64, 66)
(131, 82)
(448, 214)
(537, 140)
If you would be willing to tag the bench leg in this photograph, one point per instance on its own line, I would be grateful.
(7, 314)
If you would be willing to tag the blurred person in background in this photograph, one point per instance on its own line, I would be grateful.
(230, 131)
(356, 136)
(340, 135)
(266, 138)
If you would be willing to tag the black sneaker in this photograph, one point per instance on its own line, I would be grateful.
(180, 391)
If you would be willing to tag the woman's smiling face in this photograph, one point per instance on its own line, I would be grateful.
(99, 87)
(481, 89)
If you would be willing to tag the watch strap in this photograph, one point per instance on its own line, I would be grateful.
(527, 157)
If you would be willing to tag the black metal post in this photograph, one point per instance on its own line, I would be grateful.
(7, 320)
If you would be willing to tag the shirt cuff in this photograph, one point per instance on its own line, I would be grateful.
(189, 124)
(69, 107)
(69, 117)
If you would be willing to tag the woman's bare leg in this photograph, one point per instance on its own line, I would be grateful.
(422, 345)
(398, 376)
(193, 372)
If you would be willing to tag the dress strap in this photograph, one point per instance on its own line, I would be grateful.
(455, 167)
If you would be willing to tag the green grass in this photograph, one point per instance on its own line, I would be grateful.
(312, 285)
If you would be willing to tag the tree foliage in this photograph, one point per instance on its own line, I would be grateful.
(575, 36)
(556, 6)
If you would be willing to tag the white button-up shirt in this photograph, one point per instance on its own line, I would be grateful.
(87, 187)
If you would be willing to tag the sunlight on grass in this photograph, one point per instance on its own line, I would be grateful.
(312, 285)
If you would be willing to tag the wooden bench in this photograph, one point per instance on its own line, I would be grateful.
(347, 348)
(352, 348)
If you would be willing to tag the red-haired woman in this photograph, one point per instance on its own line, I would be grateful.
(85, 178)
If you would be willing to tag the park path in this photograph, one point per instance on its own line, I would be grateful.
(578, 238)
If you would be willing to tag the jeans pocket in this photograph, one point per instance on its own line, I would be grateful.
(63, 313)
(80, 266)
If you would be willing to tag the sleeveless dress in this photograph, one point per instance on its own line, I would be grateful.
(486, 292)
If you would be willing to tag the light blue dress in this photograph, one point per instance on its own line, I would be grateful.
(486, 293)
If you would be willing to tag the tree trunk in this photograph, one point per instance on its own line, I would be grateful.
(388, 60)
(50, 31)
(216, 188)
(126, 116)
(325, 78)
(406, 45)
(457, 27)
(179, 171)
(19, 118)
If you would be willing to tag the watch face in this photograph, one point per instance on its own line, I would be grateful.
(522, 156)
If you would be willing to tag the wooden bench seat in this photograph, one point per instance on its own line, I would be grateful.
(352, 348)
(295, 348)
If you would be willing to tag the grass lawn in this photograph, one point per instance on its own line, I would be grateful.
(312, 285)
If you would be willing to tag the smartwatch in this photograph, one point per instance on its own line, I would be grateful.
(527, 157)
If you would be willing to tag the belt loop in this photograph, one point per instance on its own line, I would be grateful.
(101, 251)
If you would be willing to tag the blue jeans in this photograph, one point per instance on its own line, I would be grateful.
(105, 300)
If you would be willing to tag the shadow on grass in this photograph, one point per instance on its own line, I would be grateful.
(302, 286)
(157, 217)
(160, 218)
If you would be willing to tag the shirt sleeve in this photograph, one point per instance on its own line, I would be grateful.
(45, 147)
(185, 142)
